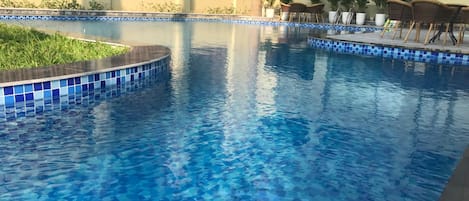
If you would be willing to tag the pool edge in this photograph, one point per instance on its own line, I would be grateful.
(33, 90)
(390, 51)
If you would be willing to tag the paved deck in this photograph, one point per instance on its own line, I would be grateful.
(457, 188)
(374, 38)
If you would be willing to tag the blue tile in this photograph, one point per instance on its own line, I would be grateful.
(8, 91)
(37, 86)
(71, 81)
(113, 74)
(103, 84)
(29, 96)
(9, 101)
(19, 89)
(19, 98)
(46, 85)
(55, 93)
(90, 78)
(47, 94)
(71, 90)
(78, 89)
(108, 75)
(84, 87)
(96, 77)
(63, 83)
(28, 88)
(77, 80)
(29, 103)
(91, 86)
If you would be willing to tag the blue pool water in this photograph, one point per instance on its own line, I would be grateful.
(246, 113)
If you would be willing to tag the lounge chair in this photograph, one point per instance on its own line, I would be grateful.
(429, 12)
(315, 12)
(401, 12)
(296, 9)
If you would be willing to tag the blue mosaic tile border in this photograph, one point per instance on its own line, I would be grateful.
(34, 98)
(390, 52)
(239, 21)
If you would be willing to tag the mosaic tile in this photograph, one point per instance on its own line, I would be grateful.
(390, 52)
(34, 98)
(171, 18)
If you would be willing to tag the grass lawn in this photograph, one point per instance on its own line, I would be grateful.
(26, 48)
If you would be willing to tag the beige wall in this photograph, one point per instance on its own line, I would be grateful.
(248, 7)
(137, 5)
(85, 3)
(106, 3)
(201, 6)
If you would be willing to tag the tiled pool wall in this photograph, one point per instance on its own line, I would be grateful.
(34, 98)
(72, 15)
(390, 52)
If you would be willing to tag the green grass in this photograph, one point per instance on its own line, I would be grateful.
(27, 48)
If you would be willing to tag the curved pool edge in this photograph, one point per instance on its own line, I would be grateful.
(391, 51)
(34, 90)
(110, 15)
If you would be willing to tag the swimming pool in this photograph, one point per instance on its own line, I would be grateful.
(247, 113)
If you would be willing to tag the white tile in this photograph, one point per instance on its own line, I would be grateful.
(63, 91)
(38, 95)
(97, 85)
(84, 79)
(55, 84)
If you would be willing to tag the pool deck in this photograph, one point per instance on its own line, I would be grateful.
(457, 188)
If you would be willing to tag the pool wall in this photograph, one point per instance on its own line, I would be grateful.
(100, 15)
(390, 52)
(31, 97)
